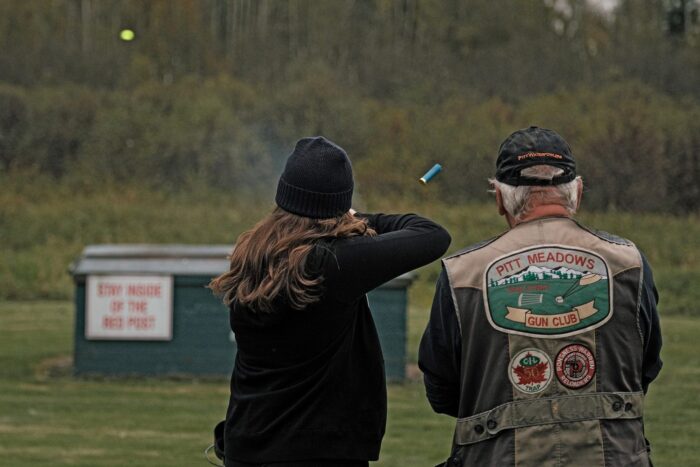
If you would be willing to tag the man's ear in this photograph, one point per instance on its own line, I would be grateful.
(499, 202)
(579, 189)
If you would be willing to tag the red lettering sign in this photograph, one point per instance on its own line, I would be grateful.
(129, 307)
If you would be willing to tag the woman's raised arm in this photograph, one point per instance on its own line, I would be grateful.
(403, 242)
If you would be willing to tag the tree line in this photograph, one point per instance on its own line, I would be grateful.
(215, 91)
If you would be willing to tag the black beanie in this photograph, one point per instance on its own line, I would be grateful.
(317, 180)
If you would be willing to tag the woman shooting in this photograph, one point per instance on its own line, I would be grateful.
(308, 386)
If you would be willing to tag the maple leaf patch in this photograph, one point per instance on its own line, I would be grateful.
(531, 374)
(530, 371)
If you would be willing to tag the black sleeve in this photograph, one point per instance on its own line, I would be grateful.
(403, 243)
(439, 352)
(649, 324)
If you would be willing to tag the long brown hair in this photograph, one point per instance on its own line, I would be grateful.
(270, 259)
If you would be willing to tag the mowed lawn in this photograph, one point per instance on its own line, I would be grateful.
(48, 418)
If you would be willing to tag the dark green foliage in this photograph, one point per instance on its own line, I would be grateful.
(13, 124)
(216, 92)
(637, 149)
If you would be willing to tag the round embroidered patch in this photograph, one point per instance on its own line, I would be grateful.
(575, 366)
(530, 371)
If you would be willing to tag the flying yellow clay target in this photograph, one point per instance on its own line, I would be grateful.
(127, 35)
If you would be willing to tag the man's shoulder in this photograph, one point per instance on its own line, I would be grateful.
(465, 268)
(473, 247)
(607, 236)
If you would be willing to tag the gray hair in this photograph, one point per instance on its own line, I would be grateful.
(518, 201)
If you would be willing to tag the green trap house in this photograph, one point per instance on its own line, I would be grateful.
(145, 310)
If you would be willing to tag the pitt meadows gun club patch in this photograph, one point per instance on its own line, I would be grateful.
(530, 371)
(548, 291)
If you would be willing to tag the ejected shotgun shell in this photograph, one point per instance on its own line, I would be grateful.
(430, 174)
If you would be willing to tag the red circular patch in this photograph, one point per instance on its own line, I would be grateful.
(575, 366)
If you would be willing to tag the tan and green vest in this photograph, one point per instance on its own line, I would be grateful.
(551, 356)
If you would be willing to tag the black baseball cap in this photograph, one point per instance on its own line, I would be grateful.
(534, 146)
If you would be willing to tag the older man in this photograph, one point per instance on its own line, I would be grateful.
(543, 340)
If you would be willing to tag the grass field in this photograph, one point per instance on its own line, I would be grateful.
(48, 418)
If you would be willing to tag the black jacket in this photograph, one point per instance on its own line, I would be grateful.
(310, 384)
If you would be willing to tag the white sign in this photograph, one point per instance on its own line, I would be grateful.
(129, 307)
